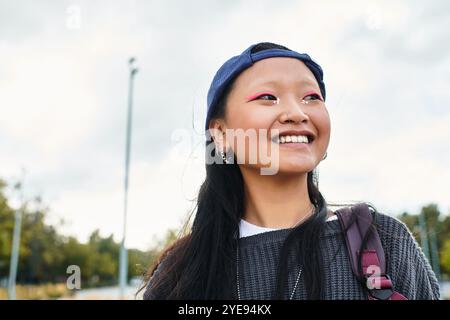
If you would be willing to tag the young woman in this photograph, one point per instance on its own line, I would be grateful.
(273, 236)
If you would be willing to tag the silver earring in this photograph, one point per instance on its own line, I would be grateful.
(224, 158)
(325, 156)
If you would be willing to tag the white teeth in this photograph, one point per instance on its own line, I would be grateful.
(294, 139)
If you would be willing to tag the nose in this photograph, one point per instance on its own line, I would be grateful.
(292, 111)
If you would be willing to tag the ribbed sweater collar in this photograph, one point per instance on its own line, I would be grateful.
(331, 228)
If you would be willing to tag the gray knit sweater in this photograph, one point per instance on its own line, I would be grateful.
(406, 264)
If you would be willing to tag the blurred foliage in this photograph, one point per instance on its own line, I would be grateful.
(45, 254)
(38, 292)
(445, 256)
(436, 229)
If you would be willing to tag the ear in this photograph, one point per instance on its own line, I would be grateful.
(217, 129)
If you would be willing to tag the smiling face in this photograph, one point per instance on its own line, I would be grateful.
(279, 94)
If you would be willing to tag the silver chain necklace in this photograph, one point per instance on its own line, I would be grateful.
(237, 276)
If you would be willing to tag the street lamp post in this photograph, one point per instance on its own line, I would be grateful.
(424, 235)
(123, 264)
(16, 240)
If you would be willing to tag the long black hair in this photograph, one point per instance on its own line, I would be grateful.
(201, 264)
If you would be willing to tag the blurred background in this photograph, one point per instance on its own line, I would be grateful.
(66, 84)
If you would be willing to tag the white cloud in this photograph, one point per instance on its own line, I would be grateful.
(160, 196)
(403, 172)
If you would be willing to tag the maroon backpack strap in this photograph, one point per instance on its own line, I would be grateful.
(378, 283)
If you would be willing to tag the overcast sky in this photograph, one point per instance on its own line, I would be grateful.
(63, 99)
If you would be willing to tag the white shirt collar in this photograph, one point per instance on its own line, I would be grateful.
(247, 229)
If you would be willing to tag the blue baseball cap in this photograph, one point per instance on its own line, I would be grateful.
(235, 65)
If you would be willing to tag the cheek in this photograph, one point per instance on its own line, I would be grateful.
(251, 125)
(321, 120)
(249, 117)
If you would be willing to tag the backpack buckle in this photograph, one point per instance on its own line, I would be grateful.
(385, 289)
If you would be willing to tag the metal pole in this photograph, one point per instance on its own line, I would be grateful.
(14, 262)
(435, 255)
(424, 235)
(123, 263)
(14, 256)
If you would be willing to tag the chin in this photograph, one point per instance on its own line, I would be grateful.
(295, 168)
(297, 163)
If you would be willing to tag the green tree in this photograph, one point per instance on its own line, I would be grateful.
(445, 256)
(6, 230)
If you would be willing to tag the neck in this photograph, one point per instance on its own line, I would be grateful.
(277, 201)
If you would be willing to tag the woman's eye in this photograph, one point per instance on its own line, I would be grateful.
(266, 97)
(313, 96)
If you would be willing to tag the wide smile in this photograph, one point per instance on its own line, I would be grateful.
(294, 141)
